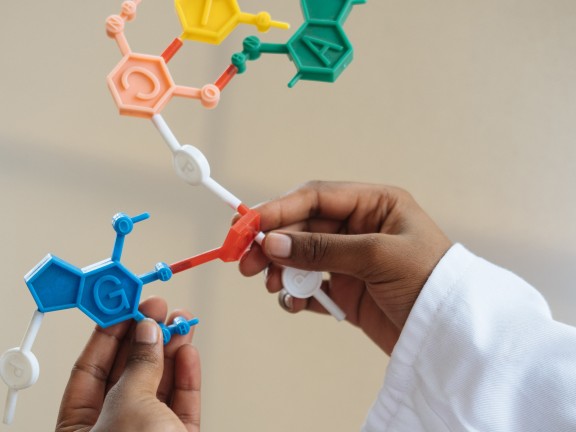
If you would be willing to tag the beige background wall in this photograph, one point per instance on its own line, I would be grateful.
(469, 105)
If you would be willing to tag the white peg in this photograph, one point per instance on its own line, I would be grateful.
(304, 284)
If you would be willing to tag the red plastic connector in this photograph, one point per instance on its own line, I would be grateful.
(172, 49)
(239, 238)
(226, 77)
(195, 261)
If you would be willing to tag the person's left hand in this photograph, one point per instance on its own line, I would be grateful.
(126, 380)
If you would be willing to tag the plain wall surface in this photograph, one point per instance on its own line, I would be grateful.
(471, 106)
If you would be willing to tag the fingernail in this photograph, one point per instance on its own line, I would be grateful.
(279, 245)
(147, 332)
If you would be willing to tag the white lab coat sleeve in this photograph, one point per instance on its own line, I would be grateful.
(480, 351)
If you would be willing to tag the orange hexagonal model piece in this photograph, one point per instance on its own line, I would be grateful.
(141, 85)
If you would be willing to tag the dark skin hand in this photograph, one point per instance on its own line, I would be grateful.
(126, 380)
(378, 246)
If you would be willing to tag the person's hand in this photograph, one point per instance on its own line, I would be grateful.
(126, 380)
(377, 244)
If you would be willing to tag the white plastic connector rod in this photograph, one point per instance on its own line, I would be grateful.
(166, 132)
(222, 193)
(19, 367)
(191, 165)
(304, 284)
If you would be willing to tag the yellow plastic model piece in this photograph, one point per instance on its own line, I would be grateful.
(211, 21)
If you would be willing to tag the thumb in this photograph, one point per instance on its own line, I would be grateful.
(145, 360)
(353, 255)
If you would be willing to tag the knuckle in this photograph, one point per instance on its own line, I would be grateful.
(92, 369)
(142, 358)
(313, 184)
(190, 418)
(400, 194)
(315, 248)
(372, 257)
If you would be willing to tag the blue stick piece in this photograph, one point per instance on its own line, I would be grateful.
(107, 291)
(179, 326)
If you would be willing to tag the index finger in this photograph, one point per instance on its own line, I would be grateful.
(85, 391)
(86, 388)
(319, 200)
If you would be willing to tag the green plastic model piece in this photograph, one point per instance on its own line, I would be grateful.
(320, 48)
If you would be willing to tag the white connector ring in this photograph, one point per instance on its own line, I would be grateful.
(191, 165)
(19, 369)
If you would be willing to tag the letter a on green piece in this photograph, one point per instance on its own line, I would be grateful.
(320, 51)
(321, 47)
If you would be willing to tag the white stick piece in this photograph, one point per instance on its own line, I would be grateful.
(329, 305)
(192, 165)
(222, 193)
(166, 132)
(19, 367)
(304, 284)
(10, 409)
(32, 331)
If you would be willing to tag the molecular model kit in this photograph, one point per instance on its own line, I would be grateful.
(141, 85)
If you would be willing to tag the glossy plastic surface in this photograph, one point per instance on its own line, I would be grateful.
(141, 84)
(304, 284)
(19, 366)
(54, 284)
(212, 21)
(106, 291)
(319, 49)
(239, 238)
(179, 326)
(328, 10)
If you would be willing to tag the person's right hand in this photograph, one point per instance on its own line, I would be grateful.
(375, 241)
(126, 380)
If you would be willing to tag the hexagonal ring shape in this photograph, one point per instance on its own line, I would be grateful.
(141, 85)
(110, 293)
(320, 50)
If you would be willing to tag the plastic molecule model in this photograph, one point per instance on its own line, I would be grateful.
(211, 21)
(319, 48)
(107, 292)
(141, 83)
(142, 86)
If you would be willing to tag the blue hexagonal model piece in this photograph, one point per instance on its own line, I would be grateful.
(110, 293)
(54, 284)
(107, 291)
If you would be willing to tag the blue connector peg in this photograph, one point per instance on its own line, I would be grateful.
(179, 326)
